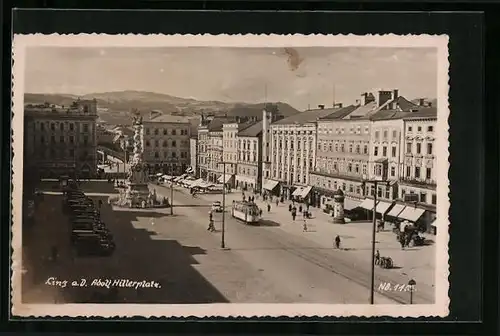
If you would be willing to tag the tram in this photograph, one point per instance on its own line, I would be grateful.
(247, 212)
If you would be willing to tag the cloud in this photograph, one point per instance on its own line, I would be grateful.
(298, 76)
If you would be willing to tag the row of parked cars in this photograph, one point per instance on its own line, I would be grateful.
(89, 235)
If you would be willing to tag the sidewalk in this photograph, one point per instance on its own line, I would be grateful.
(417, 262)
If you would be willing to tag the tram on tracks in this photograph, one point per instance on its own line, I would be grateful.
(247, 212)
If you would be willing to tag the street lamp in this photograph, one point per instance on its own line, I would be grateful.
(374, 228)
(223, 242)
(412, 284)
(172, 188)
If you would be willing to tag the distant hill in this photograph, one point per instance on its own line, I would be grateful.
(115, 107)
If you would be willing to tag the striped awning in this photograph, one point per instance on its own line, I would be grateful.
(350, 204)
(396, 210)
(270, 185)
(367, 204)
(412, 214)
(382, 207)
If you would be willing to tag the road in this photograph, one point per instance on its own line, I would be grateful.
(317, 273)
(263, 264)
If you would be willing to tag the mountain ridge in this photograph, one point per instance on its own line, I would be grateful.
(115, 106)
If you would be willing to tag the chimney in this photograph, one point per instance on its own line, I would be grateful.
(395, 94)
(367, 98)
(321, 107)
(421, 102)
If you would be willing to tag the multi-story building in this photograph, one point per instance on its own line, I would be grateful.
(293, 150)
(215, 153)
(342, 158)
(249, 156)
(418, 181)
(230, 152)
(61, 140)
(166, 143)
(270, 114)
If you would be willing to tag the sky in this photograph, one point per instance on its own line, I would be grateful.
(301, 77)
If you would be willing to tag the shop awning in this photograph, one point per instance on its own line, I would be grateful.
(228, 177)
(367, 204)
(396, 210)
(382, 207)
(196, 183)
(178, 178)
(350, 204)
(412, 214)
(302, 192)
(270, 185)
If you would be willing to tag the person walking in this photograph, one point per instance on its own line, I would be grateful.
(337, 242)
(304, 226)
(268, 207)
(294, 214)
(277, 201)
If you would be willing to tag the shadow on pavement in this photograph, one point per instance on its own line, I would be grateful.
(266, 222)
(141, 255)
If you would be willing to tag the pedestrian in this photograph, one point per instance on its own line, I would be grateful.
(277, 202)
(337, 242)
(211, 226)
(294, 214)
(260, 212)
(304, 227)
(268, 207)
(402, 242)
(289, 207)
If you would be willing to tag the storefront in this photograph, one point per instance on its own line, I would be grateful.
(352, 208)
(301, 194)
(229, 180)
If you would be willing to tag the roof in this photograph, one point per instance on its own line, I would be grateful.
(312, 115)
(388, 115)
(252, 130)
(340, 113)
(167, 118)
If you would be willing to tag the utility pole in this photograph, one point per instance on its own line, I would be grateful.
(223, 242)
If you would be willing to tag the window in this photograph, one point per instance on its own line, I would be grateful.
(156, 133)
(379, 192)
(375, 151)
(385, 134)
(52, 139)
(384, 151)
(52, 126)
(394, 134)
(423, 197)
(393, 153)
(393, 171)
(419, 148)
(157, 155)
(148, 131)
(61, 139)
(85, 139)
(387, 193)
(417, 172)
(408, 147)
(433, 199)
(403, 193)
(174, 143)
(85, 127)
(429, 149)
(350, 148)
(356, 168)
(156, 142)
(164, 143)
(342, 148)
(174, 132)
(42, 126)
(42, 139)
(428, 173)
(430, 129)
(165, 131)
(408, 171)
(147, 143)
(71, 127)
(61, 126)
(357, 149)
(419, 129)
(409, 128)
(377, 135)
(349, 167)
(365, 149)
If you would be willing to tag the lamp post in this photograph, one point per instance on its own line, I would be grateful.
(223, 242)
(172, 188)
(412, 284)
(374, 229)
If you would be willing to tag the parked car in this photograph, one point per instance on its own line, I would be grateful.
(217, 206)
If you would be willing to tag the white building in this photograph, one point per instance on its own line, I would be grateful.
(249, 170)
(193, 154)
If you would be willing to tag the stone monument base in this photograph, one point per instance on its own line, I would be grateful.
(338, 220)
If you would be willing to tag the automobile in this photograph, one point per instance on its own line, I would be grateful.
(217, 206)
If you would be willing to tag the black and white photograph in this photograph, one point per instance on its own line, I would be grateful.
(219, 175)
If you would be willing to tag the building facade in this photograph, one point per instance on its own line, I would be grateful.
(249, 156)
(215, 154)
(342, 157)
(230, 152)
(166, 144)
(193, 155)
(418, 182)
(61, 140)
